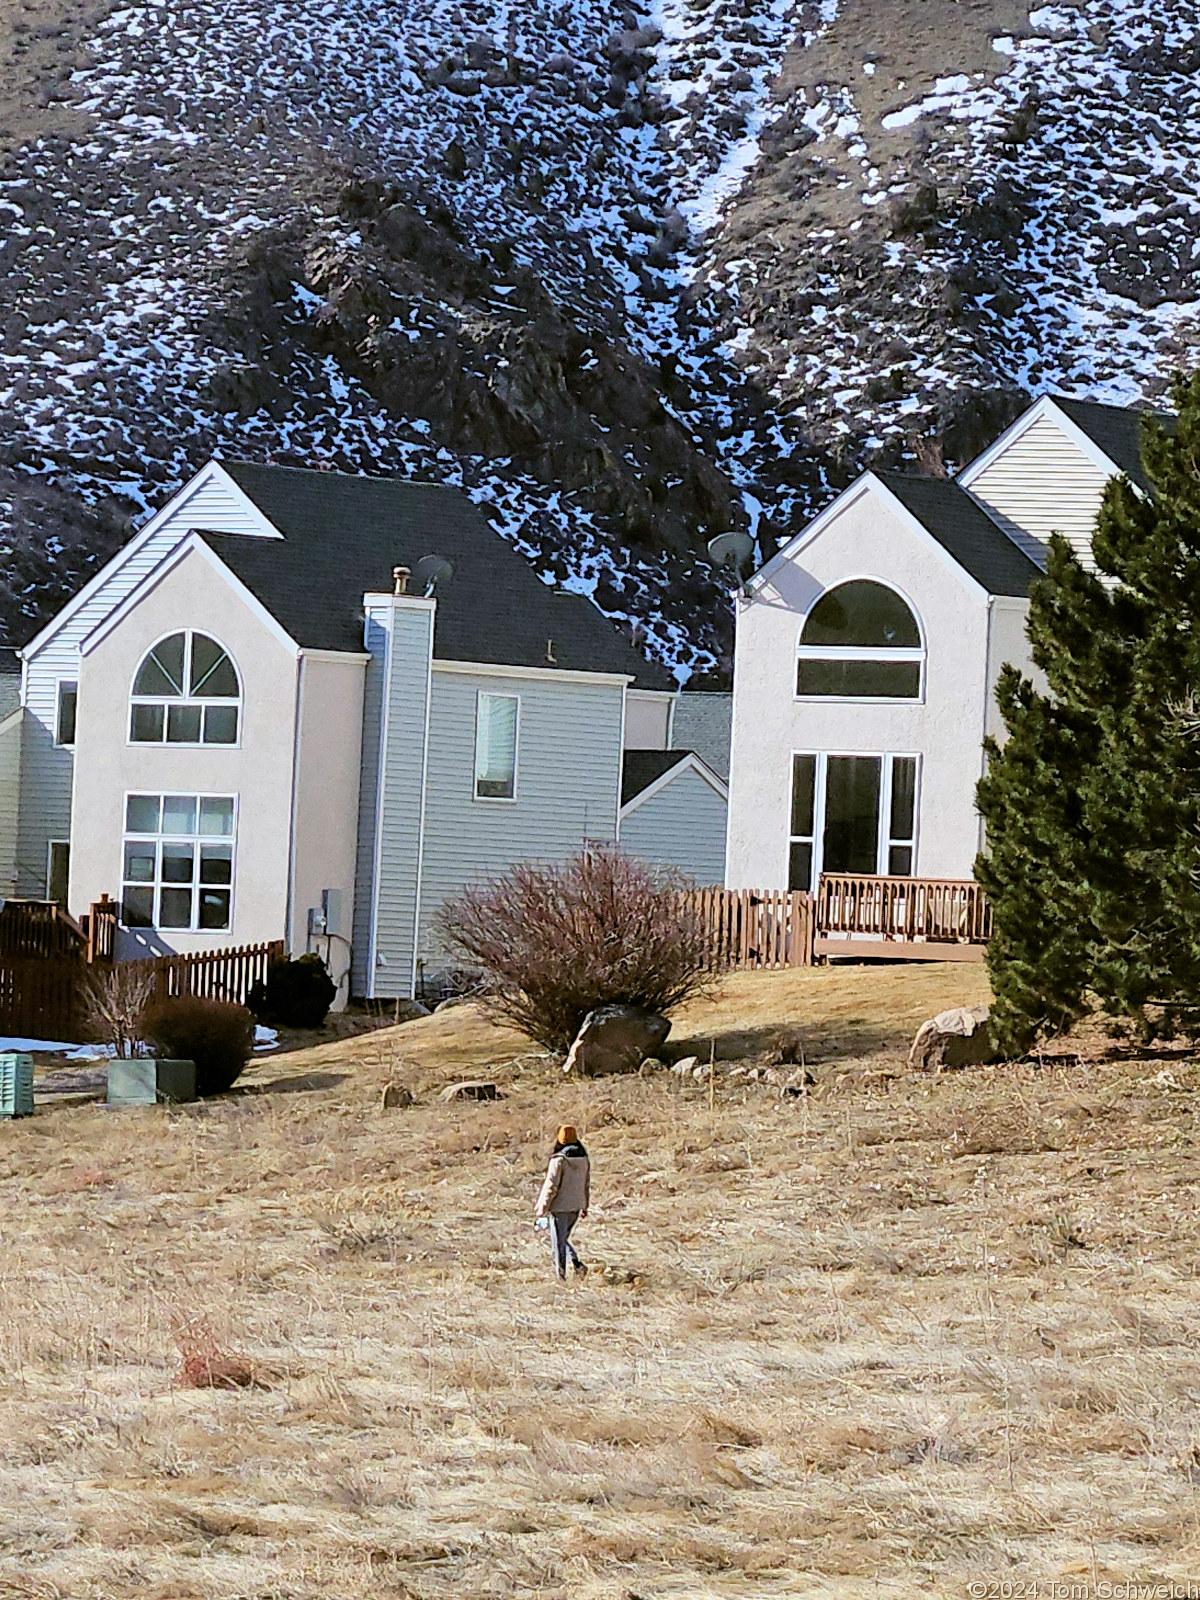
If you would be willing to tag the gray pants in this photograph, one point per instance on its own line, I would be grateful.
(561, 1223)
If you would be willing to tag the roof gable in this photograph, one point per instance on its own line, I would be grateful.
(1117, 432)
(342, 536)
(966, 532)
(645, 772)
(940, 512)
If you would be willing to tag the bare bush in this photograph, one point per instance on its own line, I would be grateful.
(556, 940)
(115, 1003)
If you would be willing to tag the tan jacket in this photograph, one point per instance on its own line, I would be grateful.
(568, 1182)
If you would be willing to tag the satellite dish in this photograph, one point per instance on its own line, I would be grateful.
(430, 571)
(734, 551)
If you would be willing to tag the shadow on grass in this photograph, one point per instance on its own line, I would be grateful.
(835, 1042)
(302, 1083)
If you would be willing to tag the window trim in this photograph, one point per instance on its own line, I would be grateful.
(51, 846)
(497, 799)
(59, 685)
(165, 701)
(883, 836)
(880, 653)
(125, 836)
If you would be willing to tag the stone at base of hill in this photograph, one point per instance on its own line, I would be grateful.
(952, 1039)
(615, 1039)
(685, 1067)
(410, 1010)
(651, 1064)
(395, 1094)
(473, 1089)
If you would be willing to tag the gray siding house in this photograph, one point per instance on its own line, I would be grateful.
(260, 721)
(674, 813)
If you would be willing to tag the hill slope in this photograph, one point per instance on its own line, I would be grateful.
(631, 278)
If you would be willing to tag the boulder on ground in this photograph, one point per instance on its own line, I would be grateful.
(473, 1089)
(686, 1066)
(409, 1011)
(952, 1039)
(615, 1039)
(395, 1094)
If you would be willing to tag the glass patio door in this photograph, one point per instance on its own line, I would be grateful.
(853, 814)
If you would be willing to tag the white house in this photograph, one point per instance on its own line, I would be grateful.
(869, 646)
(258, 722)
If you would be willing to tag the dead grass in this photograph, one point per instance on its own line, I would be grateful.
(882, 1339)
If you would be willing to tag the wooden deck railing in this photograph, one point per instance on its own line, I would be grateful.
(753, 928)
(38, 928)
(921, 917)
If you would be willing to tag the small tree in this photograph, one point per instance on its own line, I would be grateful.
(1092, 805)
(115, 1004)
(556, 940)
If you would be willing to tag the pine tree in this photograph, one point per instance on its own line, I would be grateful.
(1092, 805)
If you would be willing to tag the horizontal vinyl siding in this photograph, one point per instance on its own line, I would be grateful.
(10, 794)
(376, 643)
(47, 769)
(568, 777)
(1043, 484)
(681, 826)
(405, 712)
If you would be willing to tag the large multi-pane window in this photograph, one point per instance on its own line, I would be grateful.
(178, 861)
(860, 642)
(853, 814)
(496, 722)
(186, 692)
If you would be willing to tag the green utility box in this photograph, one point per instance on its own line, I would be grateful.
(16, 1084)
(142, 1082)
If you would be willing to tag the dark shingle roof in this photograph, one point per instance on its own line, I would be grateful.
(966, 531)
(641, 768)
(1117, 430)
(342, 536)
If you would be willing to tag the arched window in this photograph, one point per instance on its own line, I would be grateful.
(186, 692)
(860, 642)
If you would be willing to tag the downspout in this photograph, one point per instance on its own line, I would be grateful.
(291, 872)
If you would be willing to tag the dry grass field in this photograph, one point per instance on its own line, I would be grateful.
(887, 1339)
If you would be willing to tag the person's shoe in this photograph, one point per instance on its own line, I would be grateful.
(580, 1269)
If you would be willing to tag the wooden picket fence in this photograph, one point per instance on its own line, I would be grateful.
(212, 974)
(756, 928)
(47, 961)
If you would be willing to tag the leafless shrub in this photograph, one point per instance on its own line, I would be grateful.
(556, 940)
(115, 1004)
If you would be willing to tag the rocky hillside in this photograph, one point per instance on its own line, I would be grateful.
(631, 277)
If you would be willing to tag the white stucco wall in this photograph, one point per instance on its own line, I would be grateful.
(867, 539)
(329, 753)
(258, 771)
(1007, 645)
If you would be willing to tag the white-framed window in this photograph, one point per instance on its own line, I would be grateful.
(853, 814)
(861, 641)
(58, 870)
(177, 861)
(186, 691)
(64, 718)
(497, 728)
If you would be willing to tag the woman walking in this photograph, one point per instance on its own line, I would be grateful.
(565, 1196)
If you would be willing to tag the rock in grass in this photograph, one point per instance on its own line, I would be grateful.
(952, 1039)
(473, 1089)
(395, 1094)
(615, 1039)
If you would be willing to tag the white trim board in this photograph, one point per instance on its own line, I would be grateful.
(176, 504)
(495, 669)
(690, 763)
